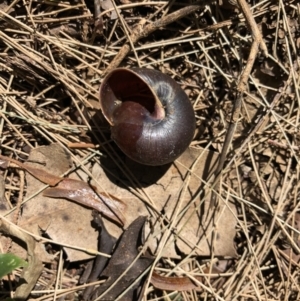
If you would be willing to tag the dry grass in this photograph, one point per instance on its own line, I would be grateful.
(53, 58)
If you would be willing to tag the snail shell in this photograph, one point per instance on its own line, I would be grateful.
(152, 120)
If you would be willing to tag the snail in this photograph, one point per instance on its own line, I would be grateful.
(152, 120)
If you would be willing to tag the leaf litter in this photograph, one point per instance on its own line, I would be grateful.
(194, 225)
(58, 219)
(53, 56)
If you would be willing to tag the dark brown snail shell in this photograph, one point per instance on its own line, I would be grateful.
(152, 120)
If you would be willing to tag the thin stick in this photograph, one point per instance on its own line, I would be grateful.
(142, 32)
(241, 87)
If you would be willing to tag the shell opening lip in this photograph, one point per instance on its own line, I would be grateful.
(124, 85)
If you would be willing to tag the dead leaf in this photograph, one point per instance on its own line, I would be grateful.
(40, 174)
(123, 257)
(175, 283)
(186, 283)
(64, 221)
(77, 191)
(195, 224)
(82, 193)
(106, 243)
(53, 216)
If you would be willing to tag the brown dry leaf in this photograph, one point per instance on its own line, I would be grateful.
(106, 244)
(126, 252)
(64, 221)
(195, 227)
(40, 174)
(77, 191)
(82, 193)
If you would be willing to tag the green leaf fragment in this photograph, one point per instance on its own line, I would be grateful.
(9, 262)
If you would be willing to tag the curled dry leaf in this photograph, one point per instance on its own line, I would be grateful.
(82, 193)
(125, 253)
(106, 243)
(174, 283)
(39, 174)
(186, 283)
(77, 191)
(62, 220)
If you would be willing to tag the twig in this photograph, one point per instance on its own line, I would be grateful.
(142, 32)
(281, 145)
(256, 34)
(242, 84)
(20, 197)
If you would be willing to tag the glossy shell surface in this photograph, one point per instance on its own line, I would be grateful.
(152, 119)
